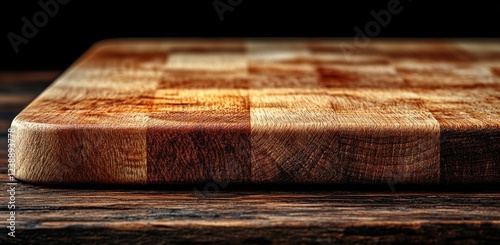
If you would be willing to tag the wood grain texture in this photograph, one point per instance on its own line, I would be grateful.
(178, 214)
(286, 112)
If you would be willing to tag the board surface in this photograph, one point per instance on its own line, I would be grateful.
(262, 111)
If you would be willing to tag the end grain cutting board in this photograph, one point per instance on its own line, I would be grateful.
(311, 111)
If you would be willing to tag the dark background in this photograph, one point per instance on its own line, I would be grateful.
(79, 24)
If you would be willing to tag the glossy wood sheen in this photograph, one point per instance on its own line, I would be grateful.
(288, 112)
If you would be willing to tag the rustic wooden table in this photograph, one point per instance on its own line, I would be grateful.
(286, 214)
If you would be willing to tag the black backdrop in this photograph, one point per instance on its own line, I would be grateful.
(79, 23)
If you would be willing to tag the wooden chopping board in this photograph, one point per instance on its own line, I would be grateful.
(288, 112)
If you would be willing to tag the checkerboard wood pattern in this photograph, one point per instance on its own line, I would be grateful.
(268, 112)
